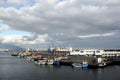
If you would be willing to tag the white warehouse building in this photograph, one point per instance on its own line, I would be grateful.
(86, 52)
(97, 52)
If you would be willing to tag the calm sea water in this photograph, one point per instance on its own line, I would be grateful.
(14, 68)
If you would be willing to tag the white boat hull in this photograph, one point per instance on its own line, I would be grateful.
(50, 61)
(42, 62)
(77, 65)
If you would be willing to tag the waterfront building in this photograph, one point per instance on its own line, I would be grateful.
(110, 52)
(62, 51)
(97, 52)
(86, 52)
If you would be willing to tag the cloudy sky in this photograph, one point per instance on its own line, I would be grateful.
(76, 23)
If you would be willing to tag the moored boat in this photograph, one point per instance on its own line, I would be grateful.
(56, 62)
(83, 64)
(41, 62)
(51, 61)
(14, 54)
(103, 64)
(77, 65)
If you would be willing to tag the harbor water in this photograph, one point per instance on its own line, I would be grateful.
(14, 68)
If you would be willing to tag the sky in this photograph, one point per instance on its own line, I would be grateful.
(76, 23)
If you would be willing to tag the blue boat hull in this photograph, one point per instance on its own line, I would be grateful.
(84, 65)
(56, 63)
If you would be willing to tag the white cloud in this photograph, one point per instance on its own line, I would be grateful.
(4, 27)
(94, 18)
(30, 39)
(97, 35)
(77, 16)
(1, 2)
(15, 2)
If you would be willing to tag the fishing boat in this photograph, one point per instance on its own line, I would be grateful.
(83, 64)
(50, 61)
(29, 59)
(56, 62)
(103, 64)
(42, 62)
(14, 54)
(77, 65)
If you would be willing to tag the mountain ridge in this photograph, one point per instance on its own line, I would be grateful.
(10, 47)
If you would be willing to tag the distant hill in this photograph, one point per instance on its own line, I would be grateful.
(11, 47)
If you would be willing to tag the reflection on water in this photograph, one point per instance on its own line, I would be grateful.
(14, 68)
